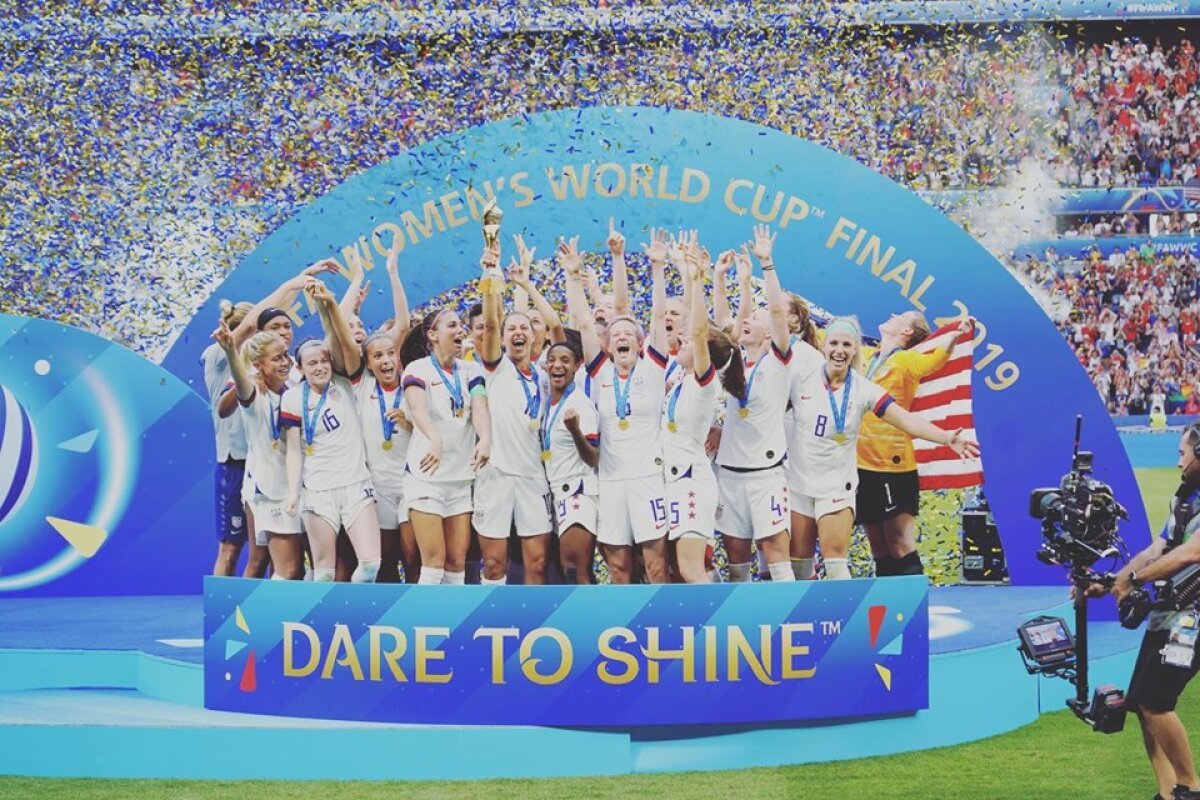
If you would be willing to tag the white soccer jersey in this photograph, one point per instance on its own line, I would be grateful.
(266, 462)
(386, 464)
(231, 435)
(565, 464)
(457, 433)
(515, 402)
(337, 456)
(821, 467)
(688, 413)
(632, 450)
(754, 435)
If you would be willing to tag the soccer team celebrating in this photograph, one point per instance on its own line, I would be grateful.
(404, 454)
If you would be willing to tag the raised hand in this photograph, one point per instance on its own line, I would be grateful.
(571, 420)
(519, 274)
(724, 262)
(656, 250)
(490, 260)
(525, 254)
(744, 270)
(615, 241)
(763, 243)
(392, 265)
(319, 293)
(324, 265)
(224, 337)
(569, 257)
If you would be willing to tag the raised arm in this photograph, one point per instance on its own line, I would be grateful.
(697, 315)
(761, 248)
(656, 251)
(679, 248)
(745, 294)
(913, 425)
(493, 310)
(588, 452)
(572, 264)
(722, 315)
(620, 275)
(353, 298)
(403, 320)
(344, 352)
(242, 382)
(518, 273)
(282, 297)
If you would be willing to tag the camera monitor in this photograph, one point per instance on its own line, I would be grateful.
(1047, 642)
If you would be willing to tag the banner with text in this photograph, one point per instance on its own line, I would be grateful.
(567, 655)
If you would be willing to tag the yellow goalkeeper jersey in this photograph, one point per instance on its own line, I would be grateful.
(882, 447)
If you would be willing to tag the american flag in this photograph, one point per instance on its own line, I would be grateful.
(944, 398)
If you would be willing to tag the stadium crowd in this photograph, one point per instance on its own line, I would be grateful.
(141, 170)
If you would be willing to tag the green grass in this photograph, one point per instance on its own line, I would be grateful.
(1054, 757)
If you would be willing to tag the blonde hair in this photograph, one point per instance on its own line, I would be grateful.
(849, 323)
(920, 329)
(232, 314)
(256, 346)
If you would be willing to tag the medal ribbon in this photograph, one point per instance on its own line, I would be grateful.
(839, 416)
(548, 421)
(455, 389)
(388, 425)
(622, 395)
(533, 402)
(674, 399)
(310, 422)
(745, 399)
(273, 417)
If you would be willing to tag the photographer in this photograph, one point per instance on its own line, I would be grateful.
(1159, 678)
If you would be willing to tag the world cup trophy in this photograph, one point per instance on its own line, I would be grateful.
(492, 281)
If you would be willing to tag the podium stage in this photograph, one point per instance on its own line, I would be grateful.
(113, 687)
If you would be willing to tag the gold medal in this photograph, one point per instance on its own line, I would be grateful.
(545, 455)
(387, 444)
(743, 412)
(533, 425)
(274, 444)
(308, 449)
(672, 427)
(623, 424)
(840, 438)
(460, 412)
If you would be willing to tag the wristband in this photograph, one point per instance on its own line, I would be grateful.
(768, 267)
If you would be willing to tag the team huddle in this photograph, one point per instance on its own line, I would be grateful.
(406, 453)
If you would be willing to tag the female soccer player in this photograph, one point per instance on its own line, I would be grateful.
(629, 390)
(570, 438)
(447, 402)
(691, 408)
(231, 456)
(386, 434)
(889, 497)
(753, 485)
(260, 398)
(830, 404)
(325, 449)
(511, 490)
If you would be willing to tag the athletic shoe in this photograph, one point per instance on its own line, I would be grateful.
(1184, 793)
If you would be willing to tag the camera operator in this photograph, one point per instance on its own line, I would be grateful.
(1159, 679)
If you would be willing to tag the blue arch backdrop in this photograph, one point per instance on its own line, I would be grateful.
(849, 239)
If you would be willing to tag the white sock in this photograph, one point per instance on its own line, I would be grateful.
(760, 564)
(714, 575)
(431, 576)
(781, 572)
(837, 569)
(454, 578)
(802, 568)
(486, 581)
(308, 573)
(275, 576)
(739, 573)
(366, 571)
(323, 575)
